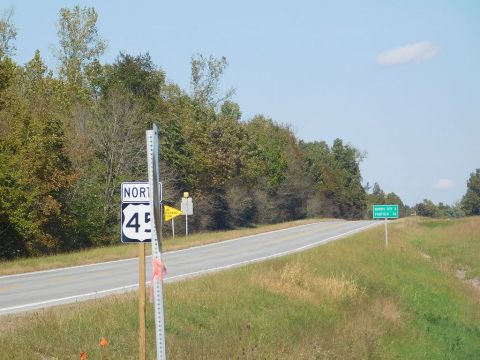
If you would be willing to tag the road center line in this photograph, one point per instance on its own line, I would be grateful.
(100, 293)
(167, 252)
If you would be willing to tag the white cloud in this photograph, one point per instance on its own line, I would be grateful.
(420, 51)
(445, 184)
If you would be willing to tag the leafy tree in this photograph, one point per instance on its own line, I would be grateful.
(336, 180)
(392, 198)
(272, 141)
(35, 170)
(231, 110)
(350, 197)
(471, 200)
(378, 193)
(280, 186)
(317, 163)
(206, 74)
(427, 208)
(8, 72)
(137, 75)
(377, 197)
(454, 211)
(292, 193)
(8, 33)
(115, 135)
(79, 42)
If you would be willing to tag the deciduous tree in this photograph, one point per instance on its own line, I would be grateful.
(471, 200)
(8, 33)
(79, 42)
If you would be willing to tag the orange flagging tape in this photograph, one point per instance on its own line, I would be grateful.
(159, 272)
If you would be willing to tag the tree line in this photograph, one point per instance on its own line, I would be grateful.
(70, 137)
(469, 205)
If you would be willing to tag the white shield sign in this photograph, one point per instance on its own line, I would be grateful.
(136, 225)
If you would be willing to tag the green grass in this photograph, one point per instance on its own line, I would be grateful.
(456, 244)
(349, 299)
(125, 251)
(431, 224)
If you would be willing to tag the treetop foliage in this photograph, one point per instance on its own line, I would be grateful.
(8, 33)
(79, 42)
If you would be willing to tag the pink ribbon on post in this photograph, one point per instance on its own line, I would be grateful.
(159, 271)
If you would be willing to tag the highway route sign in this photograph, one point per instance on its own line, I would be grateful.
(138, 192)
(136, 218)
(385, 211)
(136, 222)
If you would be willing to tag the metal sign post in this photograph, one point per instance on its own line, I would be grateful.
(385, 212)
(187, 209)
(156, 210)
(386, 233)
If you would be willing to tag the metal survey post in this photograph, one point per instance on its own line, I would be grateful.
(156, 210)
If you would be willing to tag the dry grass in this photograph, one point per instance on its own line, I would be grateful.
(350, 299)
(297, 281)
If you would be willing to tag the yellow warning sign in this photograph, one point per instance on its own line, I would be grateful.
(169, 212)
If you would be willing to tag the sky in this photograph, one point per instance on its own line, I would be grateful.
(399, 80)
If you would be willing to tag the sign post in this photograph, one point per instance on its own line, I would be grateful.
(171, 213)
(156, 211)
(187, 209)
(385, 212)
(136, 228)
(386, 233)
(141, 301)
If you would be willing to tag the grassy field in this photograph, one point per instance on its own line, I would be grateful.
(349, 299)
(125, 251)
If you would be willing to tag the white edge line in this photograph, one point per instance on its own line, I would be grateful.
(179, 277)
(65, 268)
(94, 294)
(168, 252)
(283, 253)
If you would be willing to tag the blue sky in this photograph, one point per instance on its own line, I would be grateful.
(397, 79)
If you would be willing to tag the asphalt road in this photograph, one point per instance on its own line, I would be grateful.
(36, 290)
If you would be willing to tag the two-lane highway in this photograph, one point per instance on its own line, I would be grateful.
(29, 291)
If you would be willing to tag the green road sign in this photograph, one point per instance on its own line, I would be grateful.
(385, 211)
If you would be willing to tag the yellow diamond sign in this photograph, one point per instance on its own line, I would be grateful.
(169, 212)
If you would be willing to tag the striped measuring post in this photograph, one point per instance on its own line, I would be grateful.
(156, 210)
